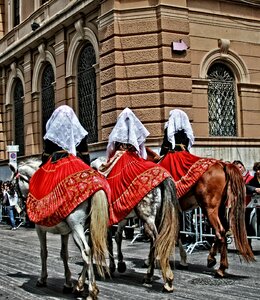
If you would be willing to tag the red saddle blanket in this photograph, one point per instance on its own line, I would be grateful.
(186, 169)
(56, 189)
(130, 180)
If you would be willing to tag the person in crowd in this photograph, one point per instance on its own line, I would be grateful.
(247, 177)
(253, 214)
(10, 201)
(1, 201)
(253, 185)
(65, 167)
(245, 173)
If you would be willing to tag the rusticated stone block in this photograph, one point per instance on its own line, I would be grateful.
(174, 24)
(177, 84)
(137, 26)
(109, 75)
(130, 86)
(109, 118)
(109, 46)
(177, 68)
(108, 89)
(137, 56)
(148, 114)
(178, 99)
(139, 100)
(107, 61)
(108, 104)
(130, 72)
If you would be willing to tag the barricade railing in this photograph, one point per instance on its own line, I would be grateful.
(200, 235)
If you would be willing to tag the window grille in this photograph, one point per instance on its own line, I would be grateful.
(19, 116)
(16, 11)
(221, 101)
(48, 95)
(87, 92)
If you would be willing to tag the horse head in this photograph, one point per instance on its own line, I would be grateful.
(22, 174)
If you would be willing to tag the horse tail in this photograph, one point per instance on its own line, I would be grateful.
(236, 210)
(169, 225)
(99, 218)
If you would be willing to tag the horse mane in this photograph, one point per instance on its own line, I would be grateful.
(29, 166)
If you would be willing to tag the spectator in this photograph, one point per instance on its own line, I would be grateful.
(245, 173)
(10, 201)
(247, 177)
(253, 185)
(253, 188)
(1, 201)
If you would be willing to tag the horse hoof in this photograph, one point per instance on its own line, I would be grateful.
(182, 267)
(147, 281)
(211, 263)
(168, 289)
(148, 285)
(67, 289)
(112, 269)
(121, 267)
(41, 284)
(219, 274)
(145, 264)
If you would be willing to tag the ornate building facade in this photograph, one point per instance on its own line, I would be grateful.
(150, 55)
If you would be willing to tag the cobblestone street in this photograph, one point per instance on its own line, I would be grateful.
(20, 268)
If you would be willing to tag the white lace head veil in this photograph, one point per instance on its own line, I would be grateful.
(64, 129)
(179, 120)
(128, 130)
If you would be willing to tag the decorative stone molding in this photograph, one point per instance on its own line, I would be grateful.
(15, 73)
(223, 45)
(236, 63)
(42, 53)
(44, 56)
(79, 28)
(13, 70)
(75, 48)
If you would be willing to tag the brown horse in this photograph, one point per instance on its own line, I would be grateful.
(220, 192)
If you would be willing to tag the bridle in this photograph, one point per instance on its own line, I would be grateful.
(18, 176)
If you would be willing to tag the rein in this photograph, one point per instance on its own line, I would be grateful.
(21, 177)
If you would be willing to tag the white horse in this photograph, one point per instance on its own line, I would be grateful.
(158, 211)
(92, 213)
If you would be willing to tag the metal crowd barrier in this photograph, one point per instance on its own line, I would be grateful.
(200, 236)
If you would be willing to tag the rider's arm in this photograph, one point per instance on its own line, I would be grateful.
(166, 145)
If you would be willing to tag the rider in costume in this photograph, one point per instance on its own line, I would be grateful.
(64, 179)
(129, 174)
(178, 140)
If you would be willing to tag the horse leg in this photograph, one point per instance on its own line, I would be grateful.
(112, 265)
(183, 255)
(212, 253)
(121, 265)
(220, 273)
(215, 222)
(80, 239)
(42, 281)
(64, 254)
(148, 278)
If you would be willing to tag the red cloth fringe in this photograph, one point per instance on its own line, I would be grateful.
(130, 180)
(56, 189)
(186, 169)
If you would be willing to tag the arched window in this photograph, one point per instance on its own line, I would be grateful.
(87, 92)
(221, 101)
(18, 115)
(48, 96)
